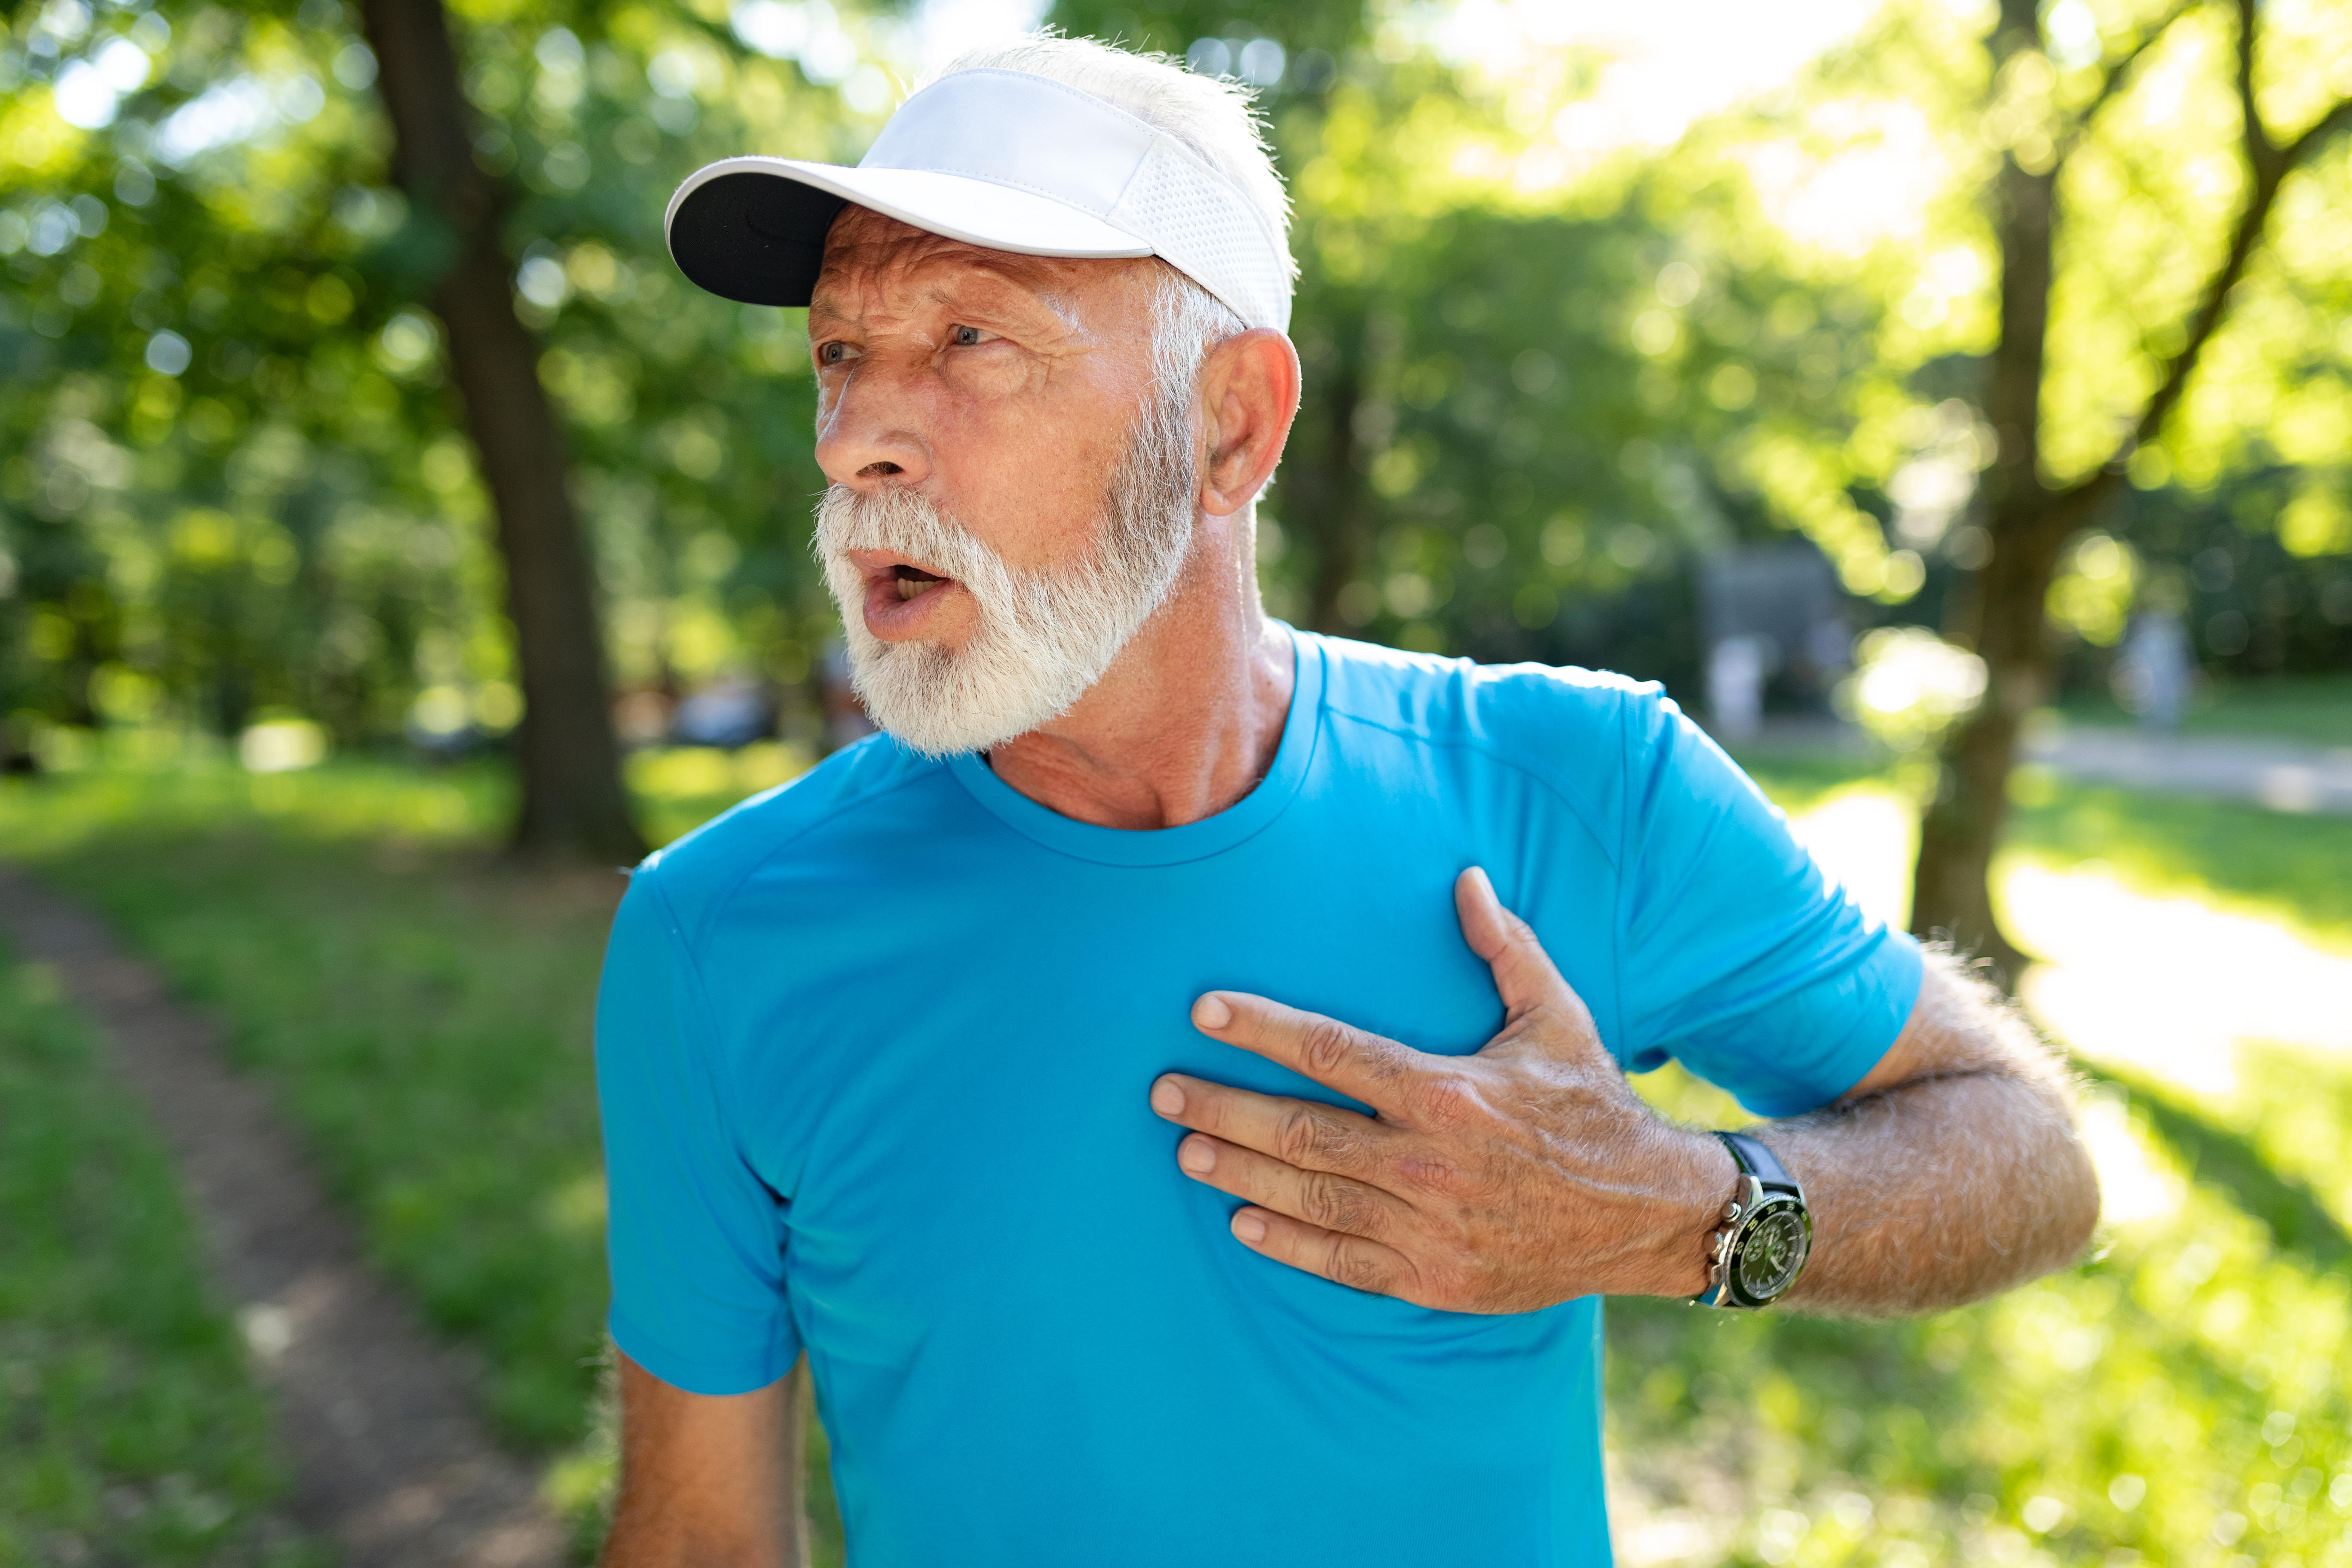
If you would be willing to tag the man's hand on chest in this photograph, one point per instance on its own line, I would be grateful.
(1522, 1177)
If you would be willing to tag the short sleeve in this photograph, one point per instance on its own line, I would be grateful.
(1740, 957)
(695, 1238)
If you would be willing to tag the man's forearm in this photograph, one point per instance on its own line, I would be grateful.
(708, 1481)
(1949, 1187)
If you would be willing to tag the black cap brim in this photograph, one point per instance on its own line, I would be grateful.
(753, 236)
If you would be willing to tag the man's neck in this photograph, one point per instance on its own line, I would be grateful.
(1185, 721)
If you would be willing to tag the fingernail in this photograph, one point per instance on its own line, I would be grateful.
(1249, 1227)
(1167, 1099)
(1196, 1156)
(1211, 1012)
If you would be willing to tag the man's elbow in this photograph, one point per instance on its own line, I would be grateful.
(2075, 1194)
(2057, 1195)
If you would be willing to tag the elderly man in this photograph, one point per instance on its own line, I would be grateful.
(1171, 1084)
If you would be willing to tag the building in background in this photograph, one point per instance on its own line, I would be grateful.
(1773, 633)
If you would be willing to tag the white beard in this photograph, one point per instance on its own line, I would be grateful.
(1043, 637)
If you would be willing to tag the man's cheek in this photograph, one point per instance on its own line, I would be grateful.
(1060, 496)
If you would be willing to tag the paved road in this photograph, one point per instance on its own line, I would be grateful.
(2284, 775)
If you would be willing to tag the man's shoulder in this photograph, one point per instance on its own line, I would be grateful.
(1575, 728)
(699, 872)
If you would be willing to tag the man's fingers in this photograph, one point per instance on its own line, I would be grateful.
(1318, 1197)
(1296, 1131)
(1357, 1063)
(1350, 1259)
(1525, 975)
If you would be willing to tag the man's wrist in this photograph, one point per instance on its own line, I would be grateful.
(1703, 1178)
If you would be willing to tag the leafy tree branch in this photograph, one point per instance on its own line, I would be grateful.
(2269, 164)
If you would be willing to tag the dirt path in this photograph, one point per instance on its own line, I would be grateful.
(390, 1462)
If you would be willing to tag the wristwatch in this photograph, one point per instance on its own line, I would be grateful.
(1766, 1236)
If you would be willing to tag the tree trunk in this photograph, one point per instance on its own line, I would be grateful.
(572, 804)
(1334, 492)
(1951, 893)
(2003, 618)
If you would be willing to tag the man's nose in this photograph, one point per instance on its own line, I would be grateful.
(867, 433)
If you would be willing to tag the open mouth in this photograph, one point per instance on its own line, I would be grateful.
(913, 581)
(893, 586)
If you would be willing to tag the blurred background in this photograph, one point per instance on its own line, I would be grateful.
(1951, 401)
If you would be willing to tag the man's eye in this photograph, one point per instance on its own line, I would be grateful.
(963, 337)
(832, 353)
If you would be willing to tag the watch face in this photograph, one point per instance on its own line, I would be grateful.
(1773, 1251)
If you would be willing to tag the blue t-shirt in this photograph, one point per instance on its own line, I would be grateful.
(874, 1052)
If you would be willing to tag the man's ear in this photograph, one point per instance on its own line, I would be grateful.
(1249, 395)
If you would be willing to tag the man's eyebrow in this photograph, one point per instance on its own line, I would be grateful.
(972, 277)
(1032, 283)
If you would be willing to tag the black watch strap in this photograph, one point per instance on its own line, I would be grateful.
(1757, 1160)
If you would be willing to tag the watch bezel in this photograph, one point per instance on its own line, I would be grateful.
(1770, 1202)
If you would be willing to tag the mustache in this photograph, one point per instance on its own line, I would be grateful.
(905, 522)
(902, 521)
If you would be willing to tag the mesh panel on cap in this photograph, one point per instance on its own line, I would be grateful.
(1200, 227)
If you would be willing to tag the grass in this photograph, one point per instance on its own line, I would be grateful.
(2182, 1396)
(422, 1014)
(2293, 868)
(2288, 868)
(2182, 1391)
(423, 1011)
(129, 1430)
(2312, 709)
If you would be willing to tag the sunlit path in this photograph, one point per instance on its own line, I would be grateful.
(2166, 985)
(2170, 984)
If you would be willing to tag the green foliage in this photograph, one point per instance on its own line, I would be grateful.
(1519, 502)
(1543, 378)
(2252, 606)
(236, 480)
(1299, 25)
(128, 1432)
(223, 494)
(2297, 1221)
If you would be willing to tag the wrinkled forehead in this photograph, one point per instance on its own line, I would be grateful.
(871, 257)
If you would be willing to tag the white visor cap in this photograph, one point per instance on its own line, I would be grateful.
(1002, 159)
